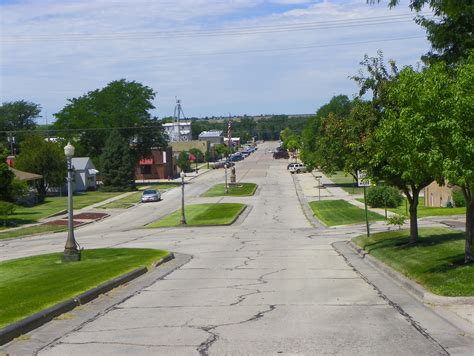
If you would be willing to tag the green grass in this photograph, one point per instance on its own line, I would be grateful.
(202, 214)
(346, 182)
(132, 199)
(340, 212)
(428, 211)
(31, 230)
(241, 189)
(34, 283)
(436, 262)
(54, 205)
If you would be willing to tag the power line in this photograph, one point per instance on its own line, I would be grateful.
(39, 131)
(307, 26)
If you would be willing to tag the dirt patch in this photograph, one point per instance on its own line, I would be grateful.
(91, 216)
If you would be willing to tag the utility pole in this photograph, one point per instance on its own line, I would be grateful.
(178, 110)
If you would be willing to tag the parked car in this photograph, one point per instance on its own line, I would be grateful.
(281, 154)
(297, 168)
(151, 195)
(245, 154)
(290, 165)
(236, 158)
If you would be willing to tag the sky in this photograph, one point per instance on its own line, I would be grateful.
(218, 56)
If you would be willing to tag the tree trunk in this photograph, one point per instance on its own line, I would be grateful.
(468, 257)
(413, 209)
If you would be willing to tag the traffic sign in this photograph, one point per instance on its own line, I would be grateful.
(362, 180)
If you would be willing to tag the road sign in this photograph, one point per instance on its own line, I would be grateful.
(362, 180)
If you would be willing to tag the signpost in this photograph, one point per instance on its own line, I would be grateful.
(363, 181)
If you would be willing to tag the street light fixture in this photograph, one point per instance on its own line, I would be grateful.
(183, 218)
(71, 251)
(226, 186)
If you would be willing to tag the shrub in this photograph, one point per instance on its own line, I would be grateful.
(381, 196)
(458, 199)
(6, 209)
(396, 220)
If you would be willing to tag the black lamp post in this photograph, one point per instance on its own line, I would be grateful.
(71, 252)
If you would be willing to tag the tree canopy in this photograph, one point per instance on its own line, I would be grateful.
(43, 157)
(124, 105)
(450, 33)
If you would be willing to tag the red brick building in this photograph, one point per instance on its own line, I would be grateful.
(160, 165)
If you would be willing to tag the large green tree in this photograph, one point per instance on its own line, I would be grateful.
(124, 105)
(450, 32)
(439, 104)
(6, 179)
(17, 116)
(117, 163)
(43, 157)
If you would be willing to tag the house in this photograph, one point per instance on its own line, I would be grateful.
(160, 165)
(214, 137)
(84, 174)
(437, 196)
(178, 131)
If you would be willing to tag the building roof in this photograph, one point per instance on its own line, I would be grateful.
(25, 176)
(80, 163)
(209, 134)
(172, 124)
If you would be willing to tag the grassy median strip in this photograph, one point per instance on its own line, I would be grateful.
(436, 262)
(238, 190)
(54, 205)
(32, 284)
(202, 214)
(340, 212)
(31, 230)
(424, 211)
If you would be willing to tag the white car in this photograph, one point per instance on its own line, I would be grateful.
(297, 168)
(151, 195)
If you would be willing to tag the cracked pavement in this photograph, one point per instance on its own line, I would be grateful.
(269, 284)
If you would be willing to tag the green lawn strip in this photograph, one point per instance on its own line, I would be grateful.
(132, 199)
(428, 211)
(31, 230)
(34, 283)
(202, 214)
(241, 189)
(54, 205)
(436, 262)
(346, 182)
(340, 212)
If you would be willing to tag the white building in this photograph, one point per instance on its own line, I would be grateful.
(178, 133)
(84, 174)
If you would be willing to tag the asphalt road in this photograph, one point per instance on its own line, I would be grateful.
(269, 284)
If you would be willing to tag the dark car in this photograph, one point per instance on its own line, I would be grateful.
(236, 158)
(281, 154)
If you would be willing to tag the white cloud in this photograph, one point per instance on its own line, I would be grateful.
(212, 74)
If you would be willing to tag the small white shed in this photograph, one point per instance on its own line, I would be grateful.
(84, 174)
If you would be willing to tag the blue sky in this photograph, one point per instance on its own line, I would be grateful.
(52, 50)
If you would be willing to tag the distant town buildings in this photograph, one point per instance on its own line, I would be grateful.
(214, 137)
(178, 132)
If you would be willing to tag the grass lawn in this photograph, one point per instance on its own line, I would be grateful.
(340, 212)
(31, 230)
(436, 262)
(241, 189)
(346, 182)
(202, 214)
(54, 205)
(132, 199)
(34, 283)
(427, 211)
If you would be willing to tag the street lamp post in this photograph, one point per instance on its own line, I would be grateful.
(226, 186)
(183, 218)
(71, 252)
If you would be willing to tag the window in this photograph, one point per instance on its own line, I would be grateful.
(145, 169)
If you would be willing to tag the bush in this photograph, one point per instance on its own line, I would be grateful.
(6, 209)
(458, 199)
(381, 196)
(396, 220)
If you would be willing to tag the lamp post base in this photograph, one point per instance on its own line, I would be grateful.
(71, 256)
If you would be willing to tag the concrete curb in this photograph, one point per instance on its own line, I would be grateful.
(34, 321)
(415, 289)
(305, 205)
